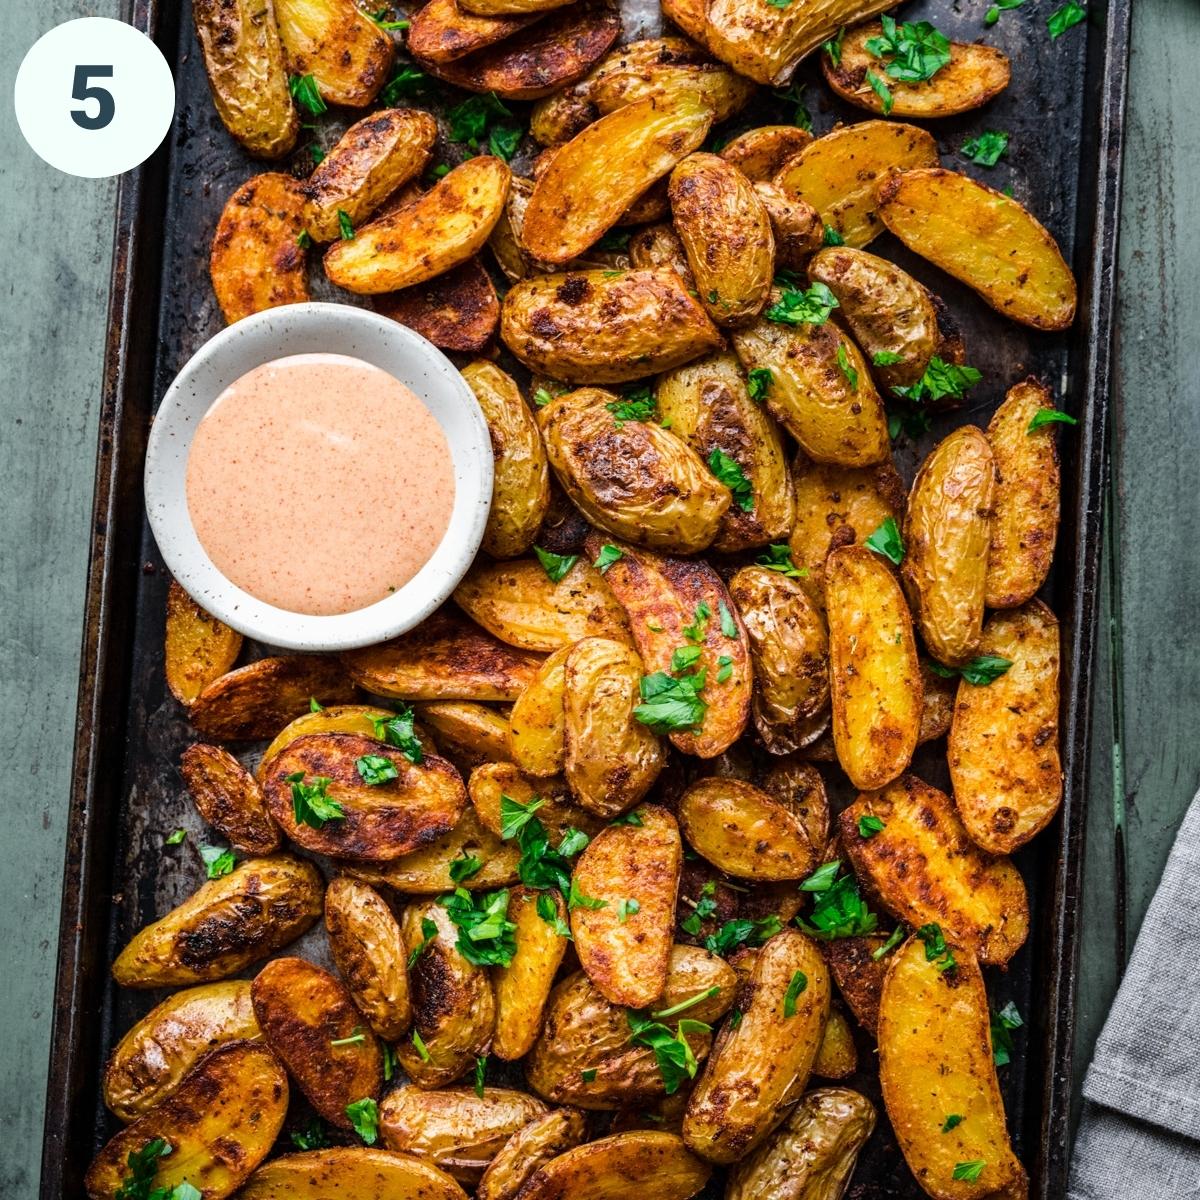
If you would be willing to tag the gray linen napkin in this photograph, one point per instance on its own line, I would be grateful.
(1140, 1132)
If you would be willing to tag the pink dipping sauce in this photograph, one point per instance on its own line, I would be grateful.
(319, 483)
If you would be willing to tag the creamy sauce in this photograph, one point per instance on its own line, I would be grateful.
(319, 483)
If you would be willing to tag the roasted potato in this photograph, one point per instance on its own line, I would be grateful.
(659, 246)
(708, 405)
(937, 704)
(439, 230)
(925, 869)
(442, 31)
(1025, 507)
(337, 718)
(947, 532)
(795, 224)
(227, 796)
(813, 1154)
(665, 597)
(231, 922)
(974, 75)
(456, 311)
(761, 153)
(838, 1056)
(350, 1171)
(759, 1069)
(1003, 745)
(521, 486)
(837, 173)
(689, 15)
(532, 1146)
(859, 975)
(726, 233)
(507, 8)
(471, 733)
(456, 1129)
(595, 177)
(797, 785)
(789, 647)
(537, 724)
(605, 327)
(197, 648)
(213, 1146)
(446, 657)
(725, 92)
(257, 261)
(632, 476)
(335, 42)
(154, 1057)
(557, 811)
(369, 950)
(935, 1059)
(874, 673)
(983, 238)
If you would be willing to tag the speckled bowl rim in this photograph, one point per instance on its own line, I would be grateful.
(305, 329)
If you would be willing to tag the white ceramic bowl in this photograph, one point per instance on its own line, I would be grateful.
(304, 329)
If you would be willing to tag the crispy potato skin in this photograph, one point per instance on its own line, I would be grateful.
(726, 233)
(228, 924)
(666, 592)
(337, 718)
(558, 810)
(350, 1171)
(925, 868)
(510, 8)
(600, 172)
(256, 261)
(947, 533)
(799, 787)
(758, 1070)
(595, 327)
(838, 1057)
(760, 153)
(659, 246)
(859, 976)
(531, 1147)
(974, 75)
(471, 733)
(874, 673)
(457, 311)
(301, 1008)
(1025, 512)
(336, 43)
(537, 724)
(1003, 745)
(368, 949)
(442, 31)
(439, 230)
(220, 1123)
(837, 173)
(935, 1058)
(227, 796)
(689, 15)
(247, 74)
(983, 238)
(382, 821)
(813, 1154)
(197, 648)
(795, 224)
(628, 960)
(153, 1058)
(521, 488)
(453, 1128)
(621, 1167)
(937, 705)
(725, 92)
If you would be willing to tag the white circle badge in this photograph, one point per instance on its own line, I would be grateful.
(94, 97)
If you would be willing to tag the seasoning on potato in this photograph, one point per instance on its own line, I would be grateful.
(197, 648)
(537, 723)
(338, 46)
(227, 796)
(456, 311)
(761, 153)
(532, 1146)
(356, 1170)
(470, 733)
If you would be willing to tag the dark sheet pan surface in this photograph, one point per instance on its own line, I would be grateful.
(1064, 113)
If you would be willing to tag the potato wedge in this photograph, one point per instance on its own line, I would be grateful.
(974, 75)
(796, 225)
(302, 1009)
(154, 1057)
(625, 1166)
(335, 42)
(689, 15)
(256, 261)
(369, 951)
(759, 1069)
(935, 1058)
(725, 92)
(600, 327)
(1025, 509)
(531, 1147)
(457, 1130)
(838, 1057)
(197, 648)
(874, 673)
(214, 1147)
(595, 177)
(1003, 745)
(798, 786)
(410, 806)
(439, 230)
(624, 946)
(537, 724)
(471, 733)
(659, 246)
(227, 796)
(337, 718)
(442, 31)
(859, 975)
(557, 811)
(666, 596)
(983, 238)
(520, 604)
(837, 174)
(457, 311)
(231, 922)
(937, 702)
(350, 1171)
(454, 1010)
(446, 657)
(761, 153)
(836, 415)
(511, 8)
(813, 1154)
(925, 869)
(947, 533)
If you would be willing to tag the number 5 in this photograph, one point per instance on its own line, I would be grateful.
(81, 91)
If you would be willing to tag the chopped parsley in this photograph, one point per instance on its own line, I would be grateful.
(541, 867)
(173, 839)
(936, 950)
(627, 909)
(464, 867)
(364, 1116)
(356, 1038)
(629, 818)
(608, 555)
(940, 380)
(702, 909)
(912, 424)
(548, 911)
(685, 657)
(419, 1045)
(556, 566)
(969, 1172)
(794, 96)
(735, 1018)
(405, 84)
(389, 1061)
(307, 95)
(869, 825)
(218, 861)
(542, 397)
(314, 1136)
(833, 48)
(684, 1005)
(742, 931)
(1003, 1023)
(670, 703)
(480, 1075)
(304, 241)
(832, 237)
(953, 1121)
(374, 769)
(981, 671)
(724, 668)
(798, 305)
(797, 985)
(399, 731)
(886, 541)
(915, 51)
(886, 358)
(993, 13)
(345, 225)
(514, 815)
(695, 631)
(383, 18)
(615, 240)
(676, 1061)
(779, 558)
(843, 361)
(470, 120)
(729, 627)
(1059, 21)
(882, 90)
(758, 383)
(485, 934)
(894, 939)
(314, 705)
(730, 473)
(143, 1166)
(429, 932)
(987, 149)
(637, 404)
(1048, 416)
(588, 1075)
(503, 141)
(838, 907)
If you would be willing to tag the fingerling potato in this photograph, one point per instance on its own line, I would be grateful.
(665, 77)
(761, 153)
(859, 975)
(227, 796)
(798, 786)
(537, 723)
(532, 1146)
(350, 1171)
(456, 311)
(796, 225)
(557, 810)
(197, 648)
(838, 1057)
(471, 733)
(659, 246)
(335, 42)
(623, 1166)
(442, 31)
(937, 703)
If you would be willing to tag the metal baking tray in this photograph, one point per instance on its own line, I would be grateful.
(1064, 111)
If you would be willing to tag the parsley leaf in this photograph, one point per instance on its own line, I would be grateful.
(364, 1116)
(730, 473)
(374, 769)
(969, 1172)
(702, 909)
(912, 424)
(480, 1074)
(464, 867)
(313, 1137)
(894, 939)
(382, 18)
(797, 985)
(779, 558)
(742, 932)
(469, 120)
(485, 934)
(843, 361)
(833, 48)
(407, 83)
(399, 731)
(953, 1121)
(882, 90)
(548, 911)
(886, 358)
(588, 1075)
(838, 907)
(724, 668)
(576, 899)
(608, 555)
(143, 1166)
(794, 95)
(886, 542)
(729, 627)
(685, 657)
(758, 383)
(916, 51)
(311, 804)
(993, 13)
(676, 1061)
(555, 565)
(307, 95)
(175, 838)
(987, 149)
(832, 237)
(429, 932)
(627, 909)
(684, 1005)
(936, 950)
(389, 1061)
(981, 671)
(1063, 18)
(1003, 1023)
(941, 379)
(1047, 416)
(869, 825)
(695, 631)
(615, 240)
(800, 306)
(637, 404)
(345, 225)
(304, 241)
(514, 815)
(504, 140)
(629, 818)
(669, 704)
(314, 705)
(218, 861)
